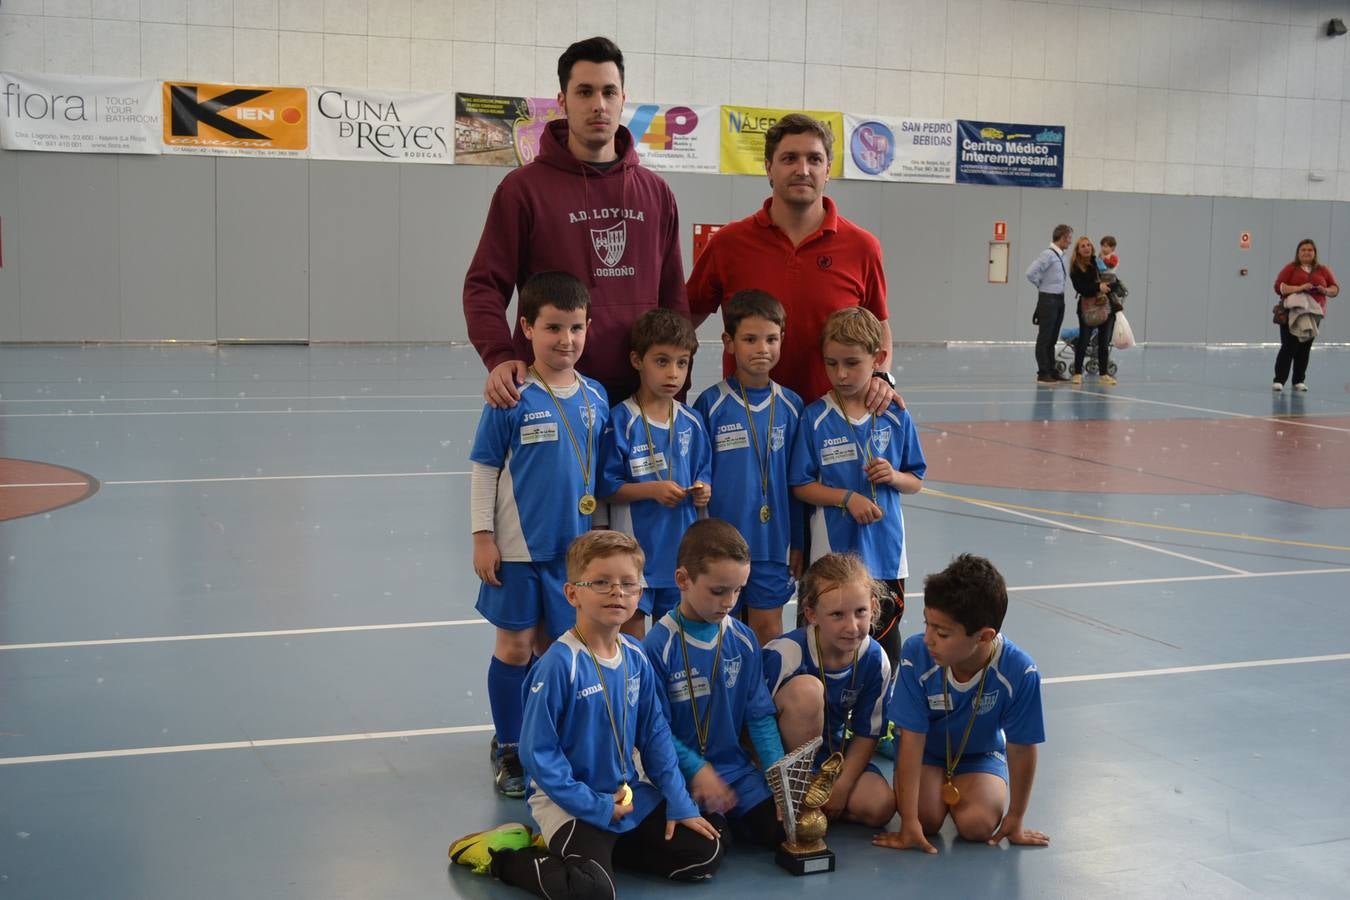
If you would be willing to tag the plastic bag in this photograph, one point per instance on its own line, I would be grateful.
(1123, 338)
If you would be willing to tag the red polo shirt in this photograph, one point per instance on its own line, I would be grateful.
(836, 267)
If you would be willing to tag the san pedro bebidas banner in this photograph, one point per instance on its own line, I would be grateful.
(1003, 153)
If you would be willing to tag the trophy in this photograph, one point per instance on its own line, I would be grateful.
(800, 793)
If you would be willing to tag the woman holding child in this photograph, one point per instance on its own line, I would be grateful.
(1092, 300)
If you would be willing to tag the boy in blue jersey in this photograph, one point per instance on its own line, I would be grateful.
(853, 465)
(752, 422)
(828, 679)
(709, 665)
(656, 466)
(967, 702)
(592, 701)
(533, 491)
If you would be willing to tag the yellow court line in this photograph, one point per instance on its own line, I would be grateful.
(994, 504)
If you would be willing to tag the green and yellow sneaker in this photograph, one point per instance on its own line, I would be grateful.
(473, 850)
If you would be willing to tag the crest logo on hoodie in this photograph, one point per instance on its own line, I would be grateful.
(609, 243)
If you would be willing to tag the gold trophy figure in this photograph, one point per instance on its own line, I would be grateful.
(800, 794)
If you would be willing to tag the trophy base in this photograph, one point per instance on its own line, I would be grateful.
(810, 863)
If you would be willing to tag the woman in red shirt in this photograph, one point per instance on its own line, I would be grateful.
(1304, 274)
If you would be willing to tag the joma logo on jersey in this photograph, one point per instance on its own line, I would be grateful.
(734, 426)
(538, 414)
(609, 243)
(586, 692)
(833, 442)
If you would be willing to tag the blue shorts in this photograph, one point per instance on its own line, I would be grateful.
(994, 762)
(657, 601)
(751, 790)
(771, 586)
(530, 592)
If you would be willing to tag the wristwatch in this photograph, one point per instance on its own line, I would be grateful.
(885, 376)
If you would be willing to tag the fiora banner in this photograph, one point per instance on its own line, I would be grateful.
(380, 126)
(743, 130)
(1000, 153)
(889, 149)
(674, 137)
(500, 131)
(83, 114)
(235, 120)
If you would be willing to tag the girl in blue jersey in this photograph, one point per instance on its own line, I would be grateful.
(591, 703)
(829, 678)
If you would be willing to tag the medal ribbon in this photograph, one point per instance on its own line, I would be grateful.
(609, 707)
(974, 711)
(590, 422)
(754, 437)
(667, 468)
(825, 688)
(868, 456)
(701, 724)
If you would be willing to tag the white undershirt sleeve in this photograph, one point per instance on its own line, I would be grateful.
(483, 497)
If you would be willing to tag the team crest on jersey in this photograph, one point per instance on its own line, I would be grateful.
(778, 438)
(731, 670)
(587, 410)
(849, 697)
(685, 437)
(987, 702)
(634, 688)
(881, 440)
(609, 243)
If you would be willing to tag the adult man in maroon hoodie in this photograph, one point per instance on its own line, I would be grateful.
(583, 206)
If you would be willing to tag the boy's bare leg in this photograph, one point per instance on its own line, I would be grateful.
(932, 811)
(872, 801)
(515, 648)
(801, 710)
(984, 797)
(767, 624)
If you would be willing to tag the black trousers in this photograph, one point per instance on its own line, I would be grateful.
(1049, 317)
(1292, 351)
(581, 860)
(1105, 332)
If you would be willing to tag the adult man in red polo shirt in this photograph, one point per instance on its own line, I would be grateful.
(798, 248)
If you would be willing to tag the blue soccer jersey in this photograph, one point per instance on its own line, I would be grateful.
(541, 483)
(737, 453)
(567, 743)
(833, 449)
(727, 698)
(1010, 704)
(680, 455)
(854, 695)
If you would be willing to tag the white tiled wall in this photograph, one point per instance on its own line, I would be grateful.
(1232, 97)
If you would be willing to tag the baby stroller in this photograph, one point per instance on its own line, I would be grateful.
(1064, 359)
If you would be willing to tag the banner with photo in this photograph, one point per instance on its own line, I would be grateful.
(235, 120)
(491, 130)
(674, 137)
(380, 126)
(743, 129)
(898, 149)
(1019, 155)
(84, 114)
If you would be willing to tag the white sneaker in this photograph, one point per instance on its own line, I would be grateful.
(1276, 387)
(1301, 388)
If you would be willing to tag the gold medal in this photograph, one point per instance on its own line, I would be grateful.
(761, 461)
(764, 514)
(627, 797)
(586, 504)
(951, 794)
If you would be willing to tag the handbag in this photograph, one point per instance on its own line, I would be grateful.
(1095, 310)
(1279, 315)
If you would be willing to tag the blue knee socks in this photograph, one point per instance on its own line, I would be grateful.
(505, 684)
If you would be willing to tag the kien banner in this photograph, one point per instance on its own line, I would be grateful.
(235, 120)
(83, 114)
(1019, 155)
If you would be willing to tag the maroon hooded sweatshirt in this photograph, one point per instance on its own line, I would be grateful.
(618, 231)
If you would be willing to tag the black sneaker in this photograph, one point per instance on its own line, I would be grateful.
(507, 772)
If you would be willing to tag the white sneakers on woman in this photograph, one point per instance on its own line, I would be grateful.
(1301, 388)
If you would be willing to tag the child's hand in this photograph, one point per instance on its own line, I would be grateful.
(667, 493)
(879, 471)
(701, 493)
(863, 510)
(838, 802)
(906, 838)
(1013, 830)
(621, 809)
(880, 395)
(795, 563)
(697, 824)
(710, 792)
(487, 559)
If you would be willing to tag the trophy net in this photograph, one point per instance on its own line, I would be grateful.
(788, 780)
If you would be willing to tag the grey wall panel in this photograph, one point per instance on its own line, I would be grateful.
(704, 200)
(1336, 326)
(1042, 210)
(981, 311)
(68, 251)
(1124, 217)
(1238, 309)
(1178, 268)
(353, 252)
(859, 202)
(11, 320)
(167, 238)
(262, 249)
(916, 238)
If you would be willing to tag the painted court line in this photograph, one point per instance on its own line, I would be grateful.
(70, 414)
(251, 398)
(1281, 420)
(231, 478)
(487, 728)
(453, 623)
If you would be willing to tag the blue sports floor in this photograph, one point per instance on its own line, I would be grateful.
(249, 664)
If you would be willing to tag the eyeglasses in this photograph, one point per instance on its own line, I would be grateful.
(605, 586)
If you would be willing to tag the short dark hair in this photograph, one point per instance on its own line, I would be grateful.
(594, 49)
(1311, 243)
(1107, 239)
(557, 289)
(662, 326)
(1060, 231)
(797, 123)
(706, 542)
(971, 591)
(748, 303)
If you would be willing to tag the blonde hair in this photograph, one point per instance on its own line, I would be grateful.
(834, 570)
(593, 545)
(1082, 265)
(854, 326)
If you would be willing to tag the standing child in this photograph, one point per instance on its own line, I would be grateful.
(752, 422)
(533, 491)
(829, 678)
(967, 702)
(714, 691)
(593, 700)
(656, 466)
(853, 465)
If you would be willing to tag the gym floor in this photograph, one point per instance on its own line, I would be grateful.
(239, 655)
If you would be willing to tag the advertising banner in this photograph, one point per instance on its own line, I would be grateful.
(743, 130)
(896, 149)
(1019, 155)
(235, 120)
(85, 114)
(500, 131)
(380, 126)
(674, 138)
